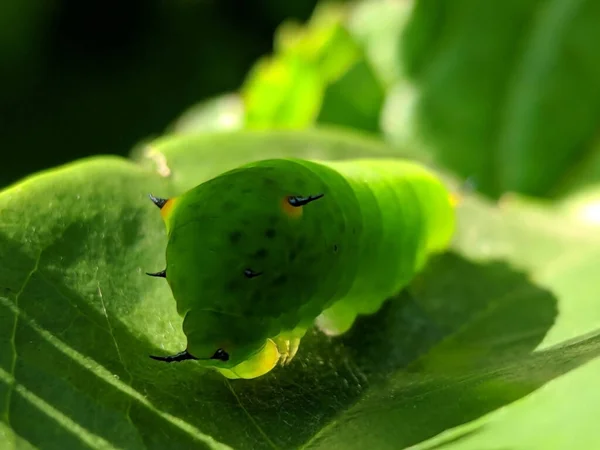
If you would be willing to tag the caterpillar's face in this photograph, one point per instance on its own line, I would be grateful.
(242, 251)
(228, 342)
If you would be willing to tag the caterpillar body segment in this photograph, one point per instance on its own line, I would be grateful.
(258, 254)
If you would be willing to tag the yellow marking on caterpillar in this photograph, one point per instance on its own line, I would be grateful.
(455, 199)
(259, 364)
(166, 210)
(291, 211)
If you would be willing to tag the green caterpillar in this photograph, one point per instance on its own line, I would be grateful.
(256, 255)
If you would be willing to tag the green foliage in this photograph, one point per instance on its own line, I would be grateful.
(313, 78)
(503, 92)
(508, 90)
(500, 321)
(222, 113)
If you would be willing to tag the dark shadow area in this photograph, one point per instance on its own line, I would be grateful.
(475, 356)
(97, 77)
(80, 360)
(414, 407)
(449, 297)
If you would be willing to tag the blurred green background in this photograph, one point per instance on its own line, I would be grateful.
(95, 77)
(504, 94)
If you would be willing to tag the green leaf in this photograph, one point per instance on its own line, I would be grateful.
(281, 93)
(536, 351)
(222, 113)
(318, 74)
(475, 335)
(377, 26)
(507, 90)
(354, 100)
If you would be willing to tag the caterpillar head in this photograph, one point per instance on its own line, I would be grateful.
(230, 344)
(239, 256)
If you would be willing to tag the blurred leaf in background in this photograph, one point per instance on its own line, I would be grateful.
(501, 92)
(319, 74)
(95, 77)
(222, 113)
(508, 91)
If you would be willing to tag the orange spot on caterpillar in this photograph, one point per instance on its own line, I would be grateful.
(291, 211)
(166, 210)
(455, 199)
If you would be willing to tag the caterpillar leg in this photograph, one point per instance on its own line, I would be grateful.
(337, 319)
(294, 346)
(283, 346)
(288, 344)
(340, 316)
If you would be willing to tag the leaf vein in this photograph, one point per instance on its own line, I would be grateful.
(17, 313)
(256, 425)
(121, 360)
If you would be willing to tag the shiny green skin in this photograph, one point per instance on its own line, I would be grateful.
(349, 251)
